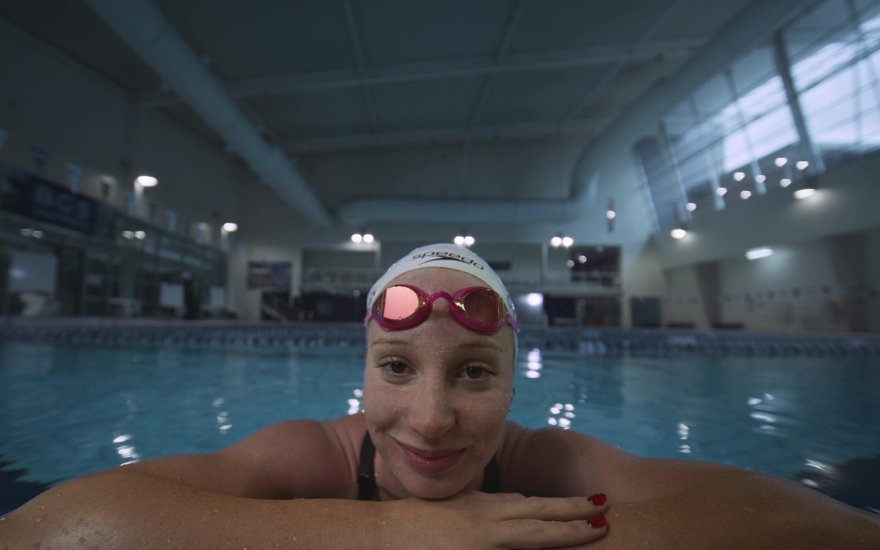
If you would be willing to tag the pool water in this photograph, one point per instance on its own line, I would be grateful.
(69, 410)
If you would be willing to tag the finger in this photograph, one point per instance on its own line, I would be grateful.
(528, 534)
(549, 509)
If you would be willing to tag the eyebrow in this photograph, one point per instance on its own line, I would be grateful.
(469, 344)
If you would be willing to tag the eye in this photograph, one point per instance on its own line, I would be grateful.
(476, 373)
(394, 367)
(397, 367)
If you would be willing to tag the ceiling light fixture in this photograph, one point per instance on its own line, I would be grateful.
(781, 161)
(567, 241)
(785, 182)
(147, 181)
(678, 233)
(691, 206)
(745, 194)
(230, 227)
(804, 193)
(758, 253)
(802, 165)
(721, 191)
(739, 176)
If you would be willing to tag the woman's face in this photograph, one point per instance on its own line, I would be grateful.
(436, 396)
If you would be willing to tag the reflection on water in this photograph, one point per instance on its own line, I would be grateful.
(66, 411)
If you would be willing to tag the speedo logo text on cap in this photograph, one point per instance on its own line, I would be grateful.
(440, 255)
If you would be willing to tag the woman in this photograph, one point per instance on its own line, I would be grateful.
(432, 462)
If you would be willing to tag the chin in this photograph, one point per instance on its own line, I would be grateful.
(429, 489)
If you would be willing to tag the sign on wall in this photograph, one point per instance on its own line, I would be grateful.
(269, 275)
(38, 198)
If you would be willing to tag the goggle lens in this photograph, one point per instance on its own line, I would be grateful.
(483, 306)
(398, 303)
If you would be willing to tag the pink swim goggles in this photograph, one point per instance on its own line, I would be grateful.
(477, 308)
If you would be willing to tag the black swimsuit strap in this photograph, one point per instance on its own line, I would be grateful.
(367, 477)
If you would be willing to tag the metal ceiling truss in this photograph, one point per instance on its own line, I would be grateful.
(438, 70)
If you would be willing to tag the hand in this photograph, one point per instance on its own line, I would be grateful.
(494, 521)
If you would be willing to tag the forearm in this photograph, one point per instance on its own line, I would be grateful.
(740, 510)
(133, 510)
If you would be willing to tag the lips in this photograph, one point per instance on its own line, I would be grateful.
(430, 461)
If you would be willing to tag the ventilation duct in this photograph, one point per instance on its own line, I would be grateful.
(756, 22)
(140, 25)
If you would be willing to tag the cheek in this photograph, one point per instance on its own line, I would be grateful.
(485, 414)
(382, 403)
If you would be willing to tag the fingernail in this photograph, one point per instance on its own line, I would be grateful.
(598, 499)
(597, 522)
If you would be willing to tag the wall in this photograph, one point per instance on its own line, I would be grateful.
(353, 173)
(826, 258)
(55, 103)
(49, 100)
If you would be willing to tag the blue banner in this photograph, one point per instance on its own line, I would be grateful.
(38, 198)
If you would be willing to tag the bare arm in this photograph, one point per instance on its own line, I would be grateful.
(230, 500)
(118, 509)
(216, 500)
(682, 504)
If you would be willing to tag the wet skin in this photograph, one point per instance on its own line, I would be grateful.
(436, 396)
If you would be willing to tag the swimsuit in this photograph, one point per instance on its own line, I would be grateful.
(367, 477)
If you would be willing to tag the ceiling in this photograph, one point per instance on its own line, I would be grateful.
(332, 75)
(340, 77)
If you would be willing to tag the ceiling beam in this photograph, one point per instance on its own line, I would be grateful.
(355, 38)
(445, 135)
(612, 74)
(436, 70)
(489, 81)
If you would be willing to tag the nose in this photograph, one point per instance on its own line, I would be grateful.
(432, 414)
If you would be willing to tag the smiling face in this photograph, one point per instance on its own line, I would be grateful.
(436, 396)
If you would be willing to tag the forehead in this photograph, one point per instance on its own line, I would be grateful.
(432, 279)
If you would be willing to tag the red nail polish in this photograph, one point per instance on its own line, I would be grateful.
(597, 522)
(598, 499)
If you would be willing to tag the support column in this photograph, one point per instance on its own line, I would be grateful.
(711, 168)
(783, 67)
(760, 187)
(684, 214)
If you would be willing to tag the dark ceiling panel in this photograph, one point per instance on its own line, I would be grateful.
(426, 104)
(579, 24)
(538, 96)
(402, 31)
(314, 114)
(262, 37)
(701, 19)
(71, 27)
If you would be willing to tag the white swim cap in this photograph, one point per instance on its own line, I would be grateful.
(449, 256)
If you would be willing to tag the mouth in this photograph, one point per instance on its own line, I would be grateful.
(430, 461)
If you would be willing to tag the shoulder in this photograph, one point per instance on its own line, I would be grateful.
(556, 462)
(561, 463)
(306, 458)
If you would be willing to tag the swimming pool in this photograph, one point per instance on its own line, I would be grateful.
(66, 410)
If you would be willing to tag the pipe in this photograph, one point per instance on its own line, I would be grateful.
(143, 27)
(756, 22)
